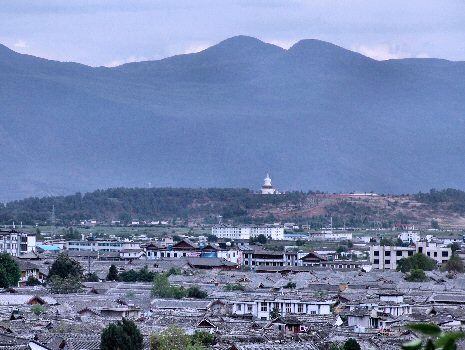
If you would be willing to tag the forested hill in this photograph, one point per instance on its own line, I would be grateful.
(447, 207)
(146, 204)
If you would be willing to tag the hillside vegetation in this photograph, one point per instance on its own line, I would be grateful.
(242, 206)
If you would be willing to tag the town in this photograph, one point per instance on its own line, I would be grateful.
(235, 287)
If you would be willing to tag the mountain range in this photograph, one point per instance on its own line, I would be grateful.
(316, 116)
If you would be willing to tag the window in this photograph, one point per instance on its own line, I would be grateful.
(387, 262)
(410, 253)
(288, 308)
(264, 307)
(388, 253)
(435, 254)
(376, 253)
(249, 308)
(399, 253)
(376, 261)
(239, 307)
(313, 312)
(445, 254)
(300, 308)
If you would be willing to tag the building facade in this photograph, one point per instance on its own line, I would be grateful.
(17, 243)
(247, 232)
(387, 257)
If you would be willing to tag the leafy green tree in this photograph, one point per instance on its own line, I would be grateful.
(290, 285)
(386, 242)
(351, 344)
(416, 275)
(9, 271)
(454, 264)
(38, 309)
(432, 338)
(91, 277)
(274, 314)
(163, 289)
(67, 285)
(122, 335)
(112, 273)
(455, 247)
(196, 292)
(65, 267)
(233, 286)
(174, 338)
(32, 281)
(416, 261)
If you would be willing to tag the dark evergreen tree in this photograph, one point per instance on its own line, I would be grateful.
(65, 267)
(112, 273)
(9, 271)
(351, 344)
(122, 335)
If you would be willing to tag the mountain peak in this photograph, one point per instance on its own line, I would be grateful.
(243, 44)
(324, 49)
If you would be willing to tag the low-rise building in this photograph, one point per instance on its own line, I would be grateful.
(261, 308)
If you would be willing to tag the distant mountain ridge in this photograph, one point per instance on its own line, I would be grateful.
(316, 116)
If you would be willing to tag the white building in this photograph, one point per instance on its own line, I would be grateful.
(246, 232)
(330, 235)
(386, 257)
(261, 308)
(17, 243)
(101, 245)
(409, 236)
(267, 187)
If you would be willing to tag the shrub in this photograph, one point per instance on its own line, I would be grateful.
(416, 275)
(32, 281)
(38, 309)
(234, 286)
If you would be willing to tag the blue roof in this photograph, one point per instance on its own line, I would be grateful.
(48, 247)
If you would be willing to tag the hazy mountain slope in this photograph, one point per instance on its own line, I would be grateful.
(316, 116)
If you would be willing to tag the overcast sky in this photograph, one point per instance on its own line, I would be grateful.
(112, 32)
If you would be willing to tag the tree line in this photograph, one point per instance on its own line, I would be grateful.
(144, 204)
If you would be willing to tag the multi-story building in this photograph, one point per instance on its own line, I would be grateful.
(253, 257)
(17, 243)
(99, 245)
(386, 257)
(261, 308)
(246, 232)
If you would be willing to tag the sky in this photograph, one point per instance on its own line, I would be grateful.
(113, 32)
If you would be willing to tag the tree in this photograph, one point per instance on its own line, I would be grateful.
(386, 242)
(174, 338)
(435, 224)
(196, 292)
(32, 281)
(112, 273)
(455, 247)
(454, 264)
(9, 271)
(290, 285)
(38, 309)
(67, 285)
(91, 277)
(433, 338)
(161, 288)
(122, 335)
(274, 314)
(65, 267)
(416, 275)
(416, 261)
(351, 344)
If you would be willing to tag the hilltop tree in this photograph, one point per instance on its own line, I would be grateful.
(112, 273)
(9, 271)
(122, 335)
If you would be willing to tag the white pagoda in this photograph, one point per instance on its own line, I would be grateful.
(267, 187)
